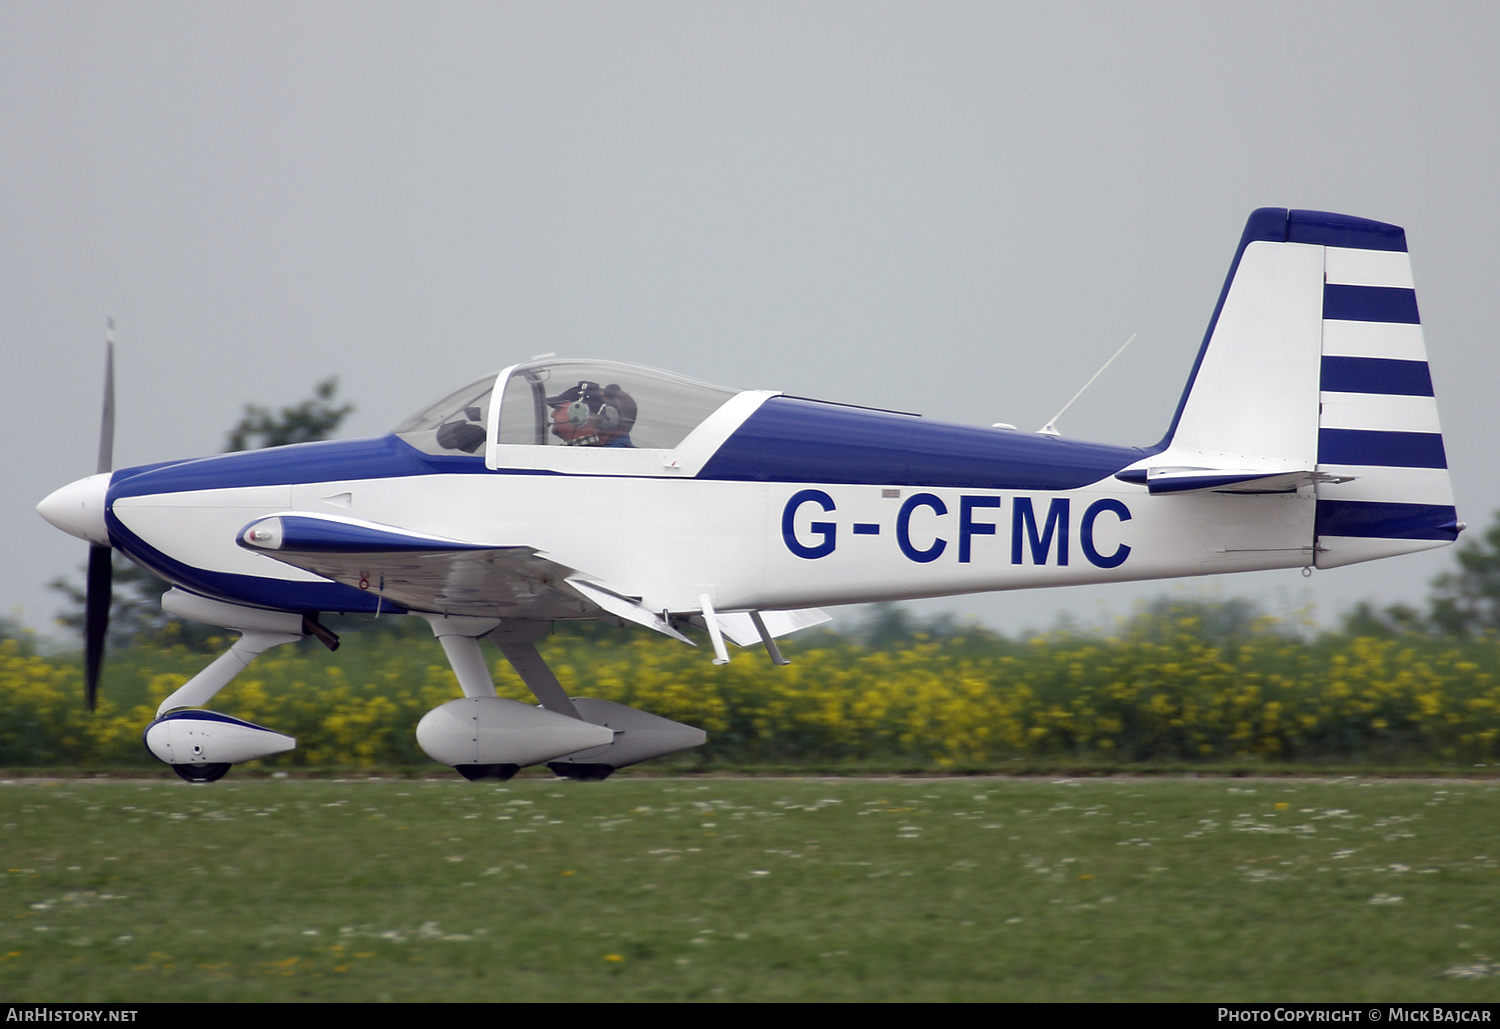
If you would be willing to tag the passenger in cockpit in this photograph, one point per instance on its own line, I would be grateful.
(587, 415)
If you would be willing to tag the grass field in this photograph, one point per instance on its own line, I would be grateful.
(703, 889)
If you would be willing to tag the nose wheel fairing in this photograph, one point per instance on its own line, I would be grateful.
(201, 745)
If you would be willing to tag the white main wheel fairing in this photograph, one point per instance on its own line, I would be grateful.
(496, 731)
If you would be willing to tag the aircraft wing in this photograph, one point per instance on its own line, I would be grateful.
(423, 572)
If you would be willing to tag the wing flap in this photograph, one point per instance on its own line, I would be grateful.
(626, 608)
(739, 628)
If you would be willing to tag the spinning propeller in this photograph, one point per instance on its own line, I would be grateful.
(78, 509)
(100, 583)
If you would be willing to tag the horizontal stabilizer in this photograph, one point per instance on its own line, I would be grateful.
(1225, 480)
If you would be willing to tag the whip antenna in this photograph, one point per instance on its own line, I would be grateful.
(1050, 429)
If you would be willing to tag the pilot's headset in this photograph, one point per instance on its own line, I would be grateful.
(612, 409)
(587, 400)
(616, 412)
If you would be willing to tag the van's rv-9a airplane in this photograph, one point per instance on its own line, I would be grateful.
(1307, 436)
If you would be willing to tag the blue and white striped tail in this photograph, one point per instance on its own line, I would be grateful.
(1378, 422)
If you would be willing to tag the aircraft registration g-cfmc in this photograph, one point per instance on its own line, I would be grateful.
(1307, 436)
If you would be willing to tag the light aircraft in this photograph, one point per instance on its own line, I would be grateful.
(1307, 436)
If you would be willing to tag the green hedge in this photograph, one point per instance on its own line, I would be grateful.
(1168, 687)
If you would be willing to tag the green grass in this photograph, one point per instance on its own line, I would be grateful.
(674, 889)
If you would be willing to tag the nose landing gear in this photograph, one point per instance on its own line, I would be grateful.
(202, 773)
(474, 773)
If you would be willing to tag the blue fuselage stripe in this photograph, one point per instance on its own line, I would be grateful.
(1370, 304)
(1376, 375)
(793, 440)
(1386, 521)
(253, 590)
(1386, 449)
(196, 715)
(381, 457)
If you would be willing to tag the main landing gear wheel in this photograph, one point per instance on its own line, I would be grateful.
(203, 773)
(581, 772)
(474, 773)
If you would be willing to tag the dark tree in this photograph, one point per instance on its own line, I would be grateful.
(1464, 602)
(135, 603)
(1169, 617)
(1467, 601)
(1364, 619)
(315, 418)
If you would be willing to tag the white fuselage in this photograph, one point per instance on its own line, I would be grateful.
(669, 541)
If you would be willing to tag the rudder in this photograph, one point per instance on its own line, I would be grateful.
(1378, 431)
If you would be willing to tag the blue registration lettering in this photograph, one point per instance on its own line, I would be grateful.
(1086, 534)
(968, 528)
(825, 530)
(1041, 544)
(903, 528)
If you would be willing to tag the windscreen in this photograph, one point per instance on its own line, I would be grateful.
(453, 425)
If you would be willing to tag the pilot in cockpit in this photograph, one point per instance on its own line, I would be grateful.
(587, 415)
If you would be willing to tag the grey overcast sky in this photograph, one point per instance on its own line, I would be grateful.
(960, 209)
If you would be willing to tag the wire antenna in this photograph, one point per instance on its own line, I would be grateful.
(1050, 429)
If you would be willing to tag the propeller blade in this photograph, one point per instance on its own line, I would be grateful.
(100, 585)
(107, 421)
(96, 618)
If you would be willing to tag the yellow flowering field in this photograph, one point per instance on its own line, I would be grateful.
(1159, 689)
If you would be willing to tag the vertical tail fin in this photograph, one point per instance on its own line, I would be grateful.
(1252, 398)
(1313, 374)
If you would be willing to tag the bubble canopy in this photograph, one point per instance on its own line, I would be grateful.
(565, 403)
